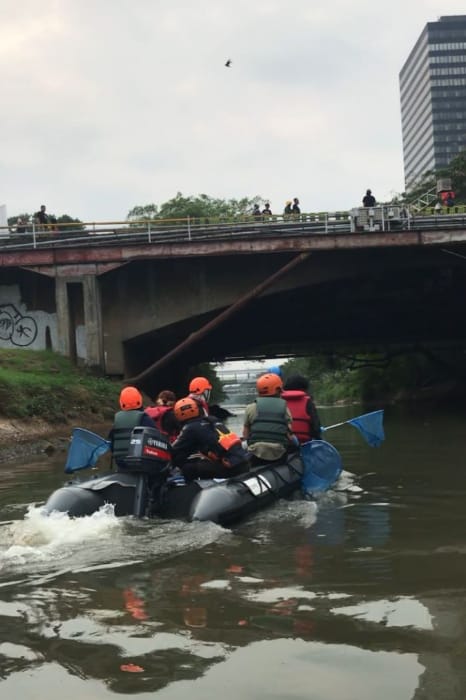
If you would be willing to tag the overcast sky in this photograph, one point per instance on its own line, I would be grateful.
(107, 104)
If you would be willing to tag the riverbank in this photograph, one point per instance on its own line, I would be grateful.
(43, 396)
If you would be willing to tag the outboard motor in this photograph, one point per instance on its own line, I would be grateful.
(149, 457)
(133, 488)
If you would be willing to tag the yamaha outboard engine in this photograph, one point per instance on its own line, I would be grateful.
(132, 489)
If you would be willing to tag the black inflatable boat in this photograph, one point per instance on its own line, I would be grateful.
(143, 489)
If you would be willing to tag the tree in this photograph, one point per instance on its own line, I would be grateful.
(145, 213)
(456, 171)
(200, 206)
(63, 219)
(70, 224)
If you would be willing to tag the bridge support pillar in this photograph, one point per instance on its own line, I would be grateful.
(93, 322)
(79, 319)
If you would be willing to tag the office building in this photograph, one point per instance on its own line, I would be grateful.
(433, 98)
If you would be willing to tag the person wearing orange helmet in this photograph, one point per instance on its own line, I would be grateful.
(199, 390)
(267, 422)
(205, 447)
(131, 414)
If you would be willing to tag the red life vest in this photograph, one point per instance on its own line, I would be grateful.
(157, 413)
(297, 400)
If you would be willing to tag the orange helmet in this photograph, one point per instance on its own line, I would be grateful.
(186, 408)
(198, 385)
(269, 385)
(130, 398)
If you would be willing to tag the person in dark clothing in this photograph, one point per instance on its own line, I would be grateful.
(368, 200)
(41, 217)
(256, 211)
(205, 448)
(130, 416)
(287, 210)
(306, 422)
(267, 210)
(296, 208)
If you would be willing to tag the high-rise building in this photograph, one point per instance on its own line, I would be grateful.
(433, 98)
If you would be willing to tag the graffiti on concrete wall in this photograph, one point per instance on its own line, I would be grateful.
(21, 327)
(19, 330)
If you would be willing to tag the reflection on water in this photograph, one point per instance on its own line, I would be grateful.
(357, 595)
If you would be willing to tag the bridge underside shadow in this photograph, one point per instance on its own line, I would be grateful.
(420, 306)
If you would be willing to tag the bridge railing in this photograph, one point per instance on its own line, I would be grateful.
(384, 218)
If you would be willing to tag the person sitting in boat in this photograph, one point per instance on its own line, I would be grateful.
(131, 415)
(267, 422)
(199, 390)
(163, 415)
(205, 447)
(306, 421)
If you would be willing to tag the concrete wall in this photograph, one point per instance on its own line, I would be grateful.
(23, 327)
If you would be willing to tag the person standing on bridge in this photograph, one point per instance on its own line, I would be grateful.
(296, 208)
(267, 210)
(368, 200)
(41, 218)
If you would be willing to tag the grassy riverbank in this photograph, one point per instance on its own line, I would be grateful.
(42, 394)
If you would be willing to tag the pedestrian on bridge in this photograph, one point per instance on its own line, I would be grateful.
(368, 200)
(41, 218)
(267, 210)
(287, 210)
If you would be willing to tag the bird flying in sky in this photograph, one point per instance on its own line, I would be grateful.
(228, 63)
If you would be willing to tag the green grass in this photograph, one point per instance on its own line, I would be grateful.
(48, 386)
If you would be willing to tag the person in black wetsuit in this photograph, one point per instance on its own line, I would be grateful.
(205, 448)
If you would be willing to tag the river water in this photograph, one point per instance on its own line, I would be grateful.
(355, 597)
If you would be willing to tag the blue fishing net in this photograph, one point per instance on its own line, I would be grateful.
(85, 449)
(370, 425)
(322, 465)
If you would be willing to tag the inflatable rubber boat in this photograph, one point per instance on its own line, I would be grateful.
(143, 486)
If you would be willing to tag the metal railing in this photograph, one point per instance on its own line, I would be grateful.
(191, 229)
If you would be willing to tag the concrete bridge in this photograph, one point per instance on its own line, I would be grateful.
(148, 303)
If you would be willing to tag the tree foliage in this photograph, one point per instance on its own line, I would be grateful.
(199, 206)
(63, 219)
(456, 171)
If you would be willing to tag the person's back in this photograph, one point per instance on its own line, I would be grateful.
(163, 414)
(306, 423)
(130, 416)
(267, 421)
(205, 448)
(287, 210)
